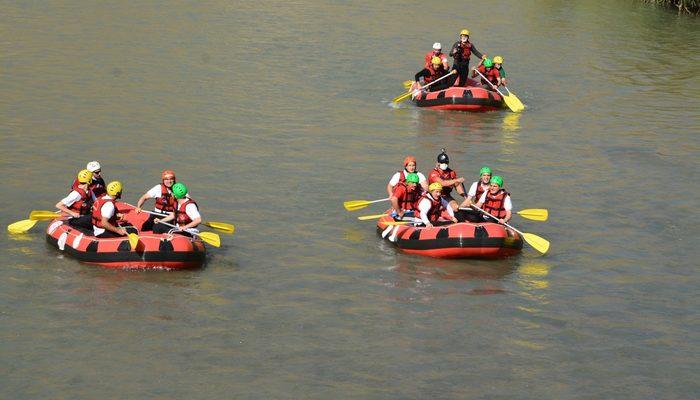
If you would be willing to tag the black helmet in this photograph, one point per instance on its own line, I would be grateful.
(443, 158)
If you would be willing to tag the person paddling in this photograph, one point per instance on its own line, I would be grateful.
(409, 167)
(486, 69)
(478, 188)
(432, 73)
(404, 198)
(498, 64)
(79, 201)
(461, 52)
(447, 178)
(97, 185)
(186, 214)
(437, 52)
(162, 193)
(104, 213)
(432, 204)
(496, 201)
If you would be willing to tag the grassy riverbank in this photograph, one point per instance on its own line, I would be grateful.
(683, 6)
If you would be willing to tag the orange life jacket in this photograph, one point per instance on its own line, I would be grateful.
(166, 202)
(494, 203)
(83, 205)
(181, 214)
(97, 212)
(408, 199)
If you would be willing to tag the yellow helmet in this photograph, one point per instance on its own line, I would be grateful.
(498, 60)
(464, 32)
(436, 61)
(84, 176)
(114, 188)
(434, 186)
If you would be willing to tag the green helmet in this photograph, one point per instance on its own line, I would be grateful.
(497, 180)
(484, 170)
(488, 63)
(412, 178)
(179, 190)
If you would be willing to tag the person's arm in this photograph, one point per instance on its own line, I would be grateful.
(192, 212)
(151, 194)
(449, 182)
(106, 213)
(169, 218)
(67, 202)
(482, 200)
(392, 182)
(449, 209)
(508, 205)
(423, 182)
(476, 52)
(423, 208)
(422, 73)
(470, 195)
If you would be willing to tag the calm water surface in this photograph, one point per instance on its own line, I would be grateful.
(274, 114)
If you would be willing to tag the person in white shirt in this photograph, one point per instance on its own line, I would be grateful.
(79, 201)
(409, 166)
(163, 193)
(104, 213)
(496, 201)
(186, 214)
(432, 204)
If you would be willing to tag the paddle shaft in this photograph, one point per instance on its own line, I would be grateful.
(489, 82)
(436, 80)
(177, 227)
(505, 224)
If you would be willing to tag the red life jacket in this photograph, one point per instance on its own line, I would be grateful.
(480, 189)
(408, 199)
(492, 75)
(430, 55)
(494, 203)
(436, 207)
(445, 175)
(465, 51)
(181, 216)
(96, 188)
(83, 205)
(166, 202)
(97, 212)
(435, 73)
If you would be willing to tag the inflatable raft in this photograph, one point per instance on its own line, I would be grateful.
(483, 240)
(152, 251)
(470, 98)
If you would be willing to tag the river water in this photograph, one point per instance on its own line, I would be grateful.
(274, 114)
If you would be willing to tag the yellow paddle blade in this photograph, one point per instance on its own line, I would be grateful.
(401, 98)
(407, 84)
(22, 226)
(535, 214)
(369, 217)
(210, 238)
(397, 223)
(538, 243)
(43, 215)
(354, 205)
(513, 103)
(133, 240)
(221, 226)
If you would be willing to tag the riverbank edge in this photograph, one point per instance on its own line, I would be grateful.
(691, 7)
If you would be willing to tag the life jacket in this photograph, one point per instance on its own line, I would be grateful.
(181, 216)
(402, 175)
(166, 202)
(445, 175)
(480, 189)
(430, 55)
(436, 207)
(492, 75)
(83, 205)
(494, 203)
(409, 199)
(97, 187)
(435, 73)
(465, 51)
(97, 212)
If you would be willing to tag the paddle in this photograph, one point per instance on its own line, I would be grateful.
(407, 95)
(43, 215)
(511, 101)
(407, 84)
(21, 226)
(535, 214)
(219, 226)
(354, 205)
(208, 237)
(133, 240)
(516, 101)
(538, 243)
(369, 217)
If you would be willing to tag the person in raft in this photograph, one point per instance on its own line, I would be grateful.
(498, 64)
(496, 201)
(97, 186)
(163, 195)
(104, 213)
(461, 52)
(405, 197)
(473, 195)
(186, 214)
(486, 69)
(79, 201)
(409, 167)
(437, 52)
(447, 178)
(433, 72)
(432, 204)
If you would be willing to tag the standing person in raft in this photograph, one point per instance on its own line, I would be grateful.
(405, 197)
(447, 178)
(104, 213)
(432, 204)
(163, 193)
(496, 201)
(409, 167)
(97, 185)
(432, 73)
(79, 201)
(461, 52)
(437, 52)
(186, 214)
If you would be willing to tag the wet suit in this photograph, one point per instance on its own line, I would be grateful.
(461, 63)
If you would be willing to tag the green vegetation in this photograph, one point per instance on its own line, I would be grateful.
(683, 6)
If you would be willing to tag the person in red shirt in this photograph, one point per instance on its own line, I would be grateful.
(404, 198)
(432, 73)
(437, 52)
(487, 70)
(448, 179)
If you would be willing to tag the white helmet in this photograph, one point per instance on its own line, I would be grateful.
(437, 46)
(93, 166)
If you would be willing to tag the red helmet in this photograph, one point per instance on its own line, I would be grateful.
(167, 173)
(409, 159)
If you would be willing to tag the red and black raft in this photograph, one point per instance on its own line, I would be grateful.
(168, 251)
(483, 240)
(470, 98)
